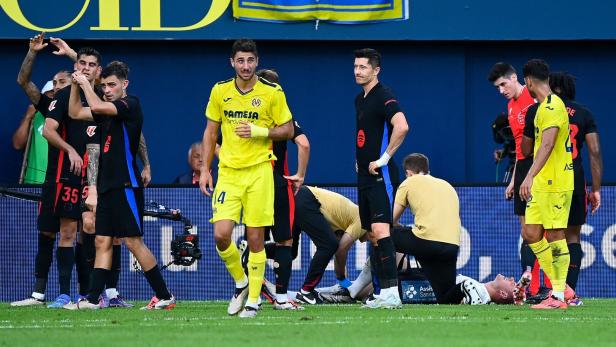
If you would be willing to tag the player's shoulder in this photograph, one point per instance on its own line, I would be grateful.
(227, 81)
(63, 93)
(384, 91)
(268, 84)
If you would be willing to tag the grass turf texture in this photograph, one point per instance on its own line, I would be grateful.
(207, 324)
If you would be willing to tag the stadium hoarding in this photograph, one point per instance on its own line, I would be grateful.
(490, 243)
(213, 20)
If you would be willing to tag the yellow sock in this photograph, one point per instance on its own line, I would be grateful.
(256, 271)
(231, 257)
(560, 254)
(543, 252)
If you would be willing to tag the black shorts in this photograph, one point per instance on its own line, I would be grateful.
(284, 214)
(119, 213)
(579, 206)
(521, 170)
(46, 220)
(438, 259)
(375, 204)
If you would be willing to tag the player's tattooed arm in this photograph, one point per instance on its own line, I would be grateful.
(94, 151)
(146, 174)
(25, 72)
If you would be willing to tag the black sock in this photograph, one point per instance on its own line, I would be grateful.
(576, 254)
(66, 260)
(83, 270)
(270, 250)
(388, 261)
(375, 268)
(116, 266)
(42, 262)
(527, 256)
(283, 270)
(156, 281)
(98, 279)
(88, 248)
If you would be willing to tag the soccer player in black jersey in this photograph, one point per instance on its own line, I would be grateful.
(120, 190)
(285, 186)
(381, 128)
(582, 129)
(48, 224)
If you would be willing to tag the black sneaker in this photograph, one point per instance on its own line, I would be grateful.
(311, 298)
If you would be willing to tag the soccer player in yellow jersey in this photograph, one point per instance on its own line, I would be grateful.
(252, 112)
(548, 186)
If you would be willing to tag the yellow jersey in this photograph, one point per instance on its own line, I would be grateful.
(557, 173)
(265, 105)
(340, 212)
(435, 205)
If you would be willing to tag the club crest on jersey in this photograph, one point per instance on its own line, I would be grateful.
(91, 131)
(361, 138)
(52, 106)
(256, 102)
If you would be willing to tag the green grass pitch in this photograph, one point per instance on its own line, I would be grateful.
(207, 324)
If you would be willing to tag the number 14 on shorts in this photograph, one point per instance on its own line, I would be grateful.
(220, 197)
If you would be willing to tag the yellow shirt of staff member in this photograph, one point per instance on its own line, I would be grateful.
(342, 215)
(433, 202)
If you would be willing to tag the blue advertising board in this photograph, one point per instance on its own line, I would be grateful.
(490, 243)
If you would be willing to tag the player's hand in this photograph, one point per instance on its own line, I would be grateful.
(509, 191)
(63, 47)
(76, 162)
(372, 168)
(92, 199)
(297, 182)
(205, 182)
(36, 43)
(595, 201)
(525, 188)
(248, 130)
(80, 78)
(498, 155)
(146, 175)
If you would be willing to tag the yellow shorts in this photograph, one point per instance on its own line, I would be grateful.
(249, 190)
(549, 209)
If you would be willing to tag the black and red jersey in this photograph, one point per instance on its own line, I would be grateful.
(120, 135)
(281, 165)
(374, 128)
(75, 132)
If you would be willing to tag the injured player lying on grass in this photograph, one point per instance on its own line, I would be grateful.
(498, 291)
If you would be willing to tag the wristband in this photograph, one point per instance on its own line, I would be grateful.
(383, 160)
(257, 131)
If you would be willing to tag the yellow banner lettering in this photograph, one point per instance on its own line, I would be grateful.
(109, 16)
(150, 16)
(12, 9)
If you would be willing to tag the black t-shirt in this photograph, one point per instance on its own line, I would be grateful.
(75, 132)
(374, 114)
(281, 167)
(120, 136)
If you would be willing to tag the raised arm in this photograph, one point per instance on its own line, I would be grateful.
(97, 106)
(25, 72)
(142, 151)
(75, 108)
(63, 48)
